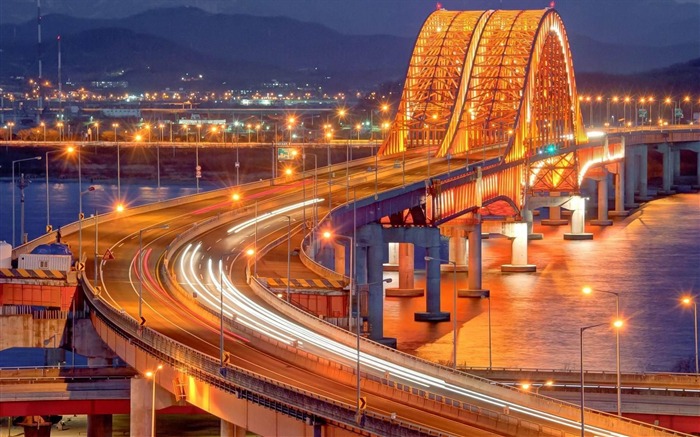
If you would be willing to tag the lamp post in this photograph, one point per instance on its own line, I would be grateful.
(617, 324)
(13, 192)
(152, 374)
(141, 231)
(289, 251)
(119, 181)
(589, 290)
(80, 221)
(454, 303)
(48, 221)
(352, 292)
(692, 301)
(43, 125)
(315, 193)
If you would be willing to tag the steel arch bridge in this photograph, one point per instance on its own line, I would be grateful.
(487, 85)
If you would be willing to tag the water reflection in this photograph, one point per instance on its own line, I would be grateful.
(650, 258)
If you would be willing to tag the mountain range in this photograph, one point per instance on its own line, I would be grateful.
(158, 47)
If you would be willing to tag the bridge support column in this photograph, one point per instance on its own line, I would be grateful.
(229, 429)
(474, 275)
(555, 217)
(667, 160)
(99, 425)
(517, 232)
(631, 177)
(375, 279)
(602, 219)
(140, 416)
(432, 282)
(406, 263)
(392, 256)
(697, 156)
(529, 219)
(643, 177)
(578, 220)
(458, 250)
(619, 191)
(340, 262)
(676, 163)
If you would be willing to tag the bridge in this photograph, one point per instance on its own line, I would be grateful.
(488, 128)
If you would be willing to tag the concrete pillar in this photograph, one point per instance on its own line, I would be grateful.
(667, 159)
(99, 425)
(697, 156)
(394, 253)
(602, 219)
(630, 177)
(529, 219)
(676, 153)
(643, 173)
(578, 220)
(140, 416)
(406, 263)
(340, 261)
(375, 272)
(458, 250)
(620, 194)
(229, 429)
(555, 217)
(474, 275)
(432, 289)
(517, 232)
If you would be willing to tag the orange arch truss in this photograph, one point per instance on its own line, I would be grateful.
(485, 84)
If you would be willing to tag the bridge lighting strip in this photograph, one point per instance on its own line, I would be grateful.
(268, 215)
(269, 323)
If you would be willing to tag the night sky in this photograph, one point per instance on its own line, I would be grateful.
(639, 22)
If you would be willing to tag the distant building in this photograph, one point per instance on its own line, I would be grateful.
(121, 112)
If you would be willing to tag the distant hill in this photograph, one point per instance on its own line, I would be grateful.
(157, 47)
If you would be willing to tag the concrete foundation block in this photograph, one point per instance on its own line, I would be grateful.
(524, 268)
(577, 237)
(440, 316)
(596, 222)
(404, 292)
(557, 222)
(535, 236)
(390, 267)
(473, 293)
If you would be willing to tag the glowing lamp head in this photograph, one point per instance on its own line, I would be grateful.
(70, 149)
(149, 374)
(120, 207)
(138, 138)
(587, 290)
(686, 301)
(250, 252)
(236, 197)
(525, 386)
(288, 171)
(618, 323)
(327, 234)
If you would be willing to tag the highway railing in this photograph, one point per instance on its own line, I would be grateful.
(237, 381)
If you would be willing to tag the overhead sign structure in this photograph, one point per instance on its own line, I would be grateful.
(285, 154)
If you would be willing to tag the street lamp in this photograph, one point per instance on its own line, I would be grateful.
(97, 131)
(617, 324)
(119, 181)
(43, 125)
(687, 300)
(289, 252)
(13, 192)
(589, 290)
(141, 231)
(152, 374)
(48, 221)
(352, 291)
(454, 302)
(80, 219)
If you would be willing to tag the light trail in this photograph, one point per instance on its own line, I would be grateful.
(258, 318)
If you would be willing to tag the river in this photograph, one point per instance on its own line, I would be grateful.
(651, 258)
